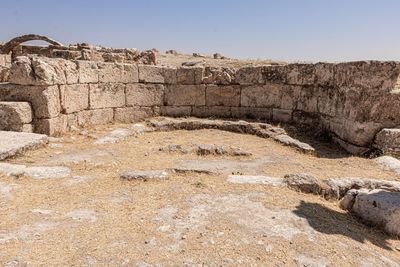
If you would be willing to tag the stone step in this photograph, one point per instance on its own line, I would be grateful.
(16, 116)
(14, 143)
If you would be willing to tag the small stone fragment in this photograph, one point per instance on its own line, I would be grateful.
(144, 175)
(302, 182)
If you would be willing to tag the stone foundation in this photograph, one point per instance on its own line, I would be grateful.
(352, 101)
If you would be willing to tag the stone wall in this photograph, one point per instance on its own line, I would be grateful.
(353, 101)
(5, 64)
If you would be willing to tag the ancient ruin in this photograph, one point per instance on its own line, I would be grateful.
(327, 133)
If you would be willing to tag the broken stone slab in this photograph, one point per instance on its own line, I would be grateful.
(122, 133)
(337, 188)
(205, 149)
(144, 175)
(375, 207)
(389, 163)
(34, 172)
(253, 179)
(303, 182)
(14, 143)
(289, 141)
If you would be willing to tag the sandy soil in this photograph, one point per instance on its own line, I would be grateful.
(94, 218)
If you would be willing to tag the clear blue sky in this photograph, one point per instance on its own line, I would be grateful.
(305, 30)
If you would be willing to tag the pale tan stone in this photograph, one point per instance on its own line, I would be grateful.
(185, 95)
(118, 73)
(189, 75)
(133, 114)
(146, 95)
(151, 74)
(174, 111)
(95, 117)
(223, 96)
(53, 127)
(74, 97)
(261, 96)
(88, 71)
(250, 75)
(107, 95)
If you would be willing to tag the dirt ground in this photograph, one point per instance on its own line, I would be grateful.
(94, 218)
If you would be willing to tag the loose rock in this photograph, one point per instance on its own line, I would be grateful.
(144, 175)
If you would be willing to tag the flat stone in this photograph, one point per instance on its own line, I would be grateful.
(34, 172)
(14, 143)
(83, 215)
(248, 179)
(122, 133)
(302, 182)
(144, 175)
(289, 141)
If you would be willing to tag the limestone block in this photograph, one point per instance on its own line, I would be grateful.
(305, 118)
(107, 95)
(251, 113)
(250, 75)
(388, 140)
(275, 74)
(45, 100)
(281, 115)
(173, 111)
(15, 112)
(88, 71)
(308, 100)
(261, 96)
(4, 74)
(95, 117)
(147, 95)
(301, 74)
(151, 74)
(189, 75)
(133, 114)
(52, 127)
(223, 96)
(40, 71)
(215, 111)
(185, 95)
(380, 208)
(170, 75)
(324, 74)
(12, 143)
(290, 96)
(117, 72)
(74, 97)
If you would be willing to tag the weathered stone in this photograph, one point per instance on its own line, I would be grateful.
(185, 95)
(389, 163)
(133, 114)
(116, 72)
(223, 96)
(303, 182)
(246, 179)
(173, 111)
(74, 97)
(54, 126)
(14, 115)
(107, 95)
(251, 113)
(189, 75)
(151, 74)
(94, 117)
(380, 208)
(388, 140)
(281, 115)
(289, 141)
(88, 71)
(275, 74)
(352, 149)
(347, 202)
(13, 143)
(146, 95)
(215, 111)
(34, 172)
(261, 96)
(301, 74)
(250, 75)
(143, 175)
(45, 100)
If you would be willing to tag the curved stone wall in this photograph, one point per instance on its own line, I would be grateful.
(353, 101)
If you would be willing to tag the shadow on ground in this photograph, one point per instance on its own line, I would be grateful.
(331, 222)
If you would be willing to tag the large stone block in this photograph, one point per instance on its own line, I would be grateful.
(207, 111)
(53, 127)
(173, 111)
(388, 140)
(223, 96)
(189, 75)
(95, 117)
(301, 74)
(132, 114)
(275, 74)
(15, 116)
(146, 95)
(185, 95)
(74, 97)
(324, 74)
(261, 96)
(42, 71)
(45, 100)
(107, 95)
(250, 75)
(308, 100)
(282, 115)
(88, 71)
(118, 73)
(151, 74)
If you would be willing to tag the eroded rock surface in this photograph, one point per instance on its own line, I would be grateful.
(206, 149)
(14, 143)
(143, 175)
(35, 172)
